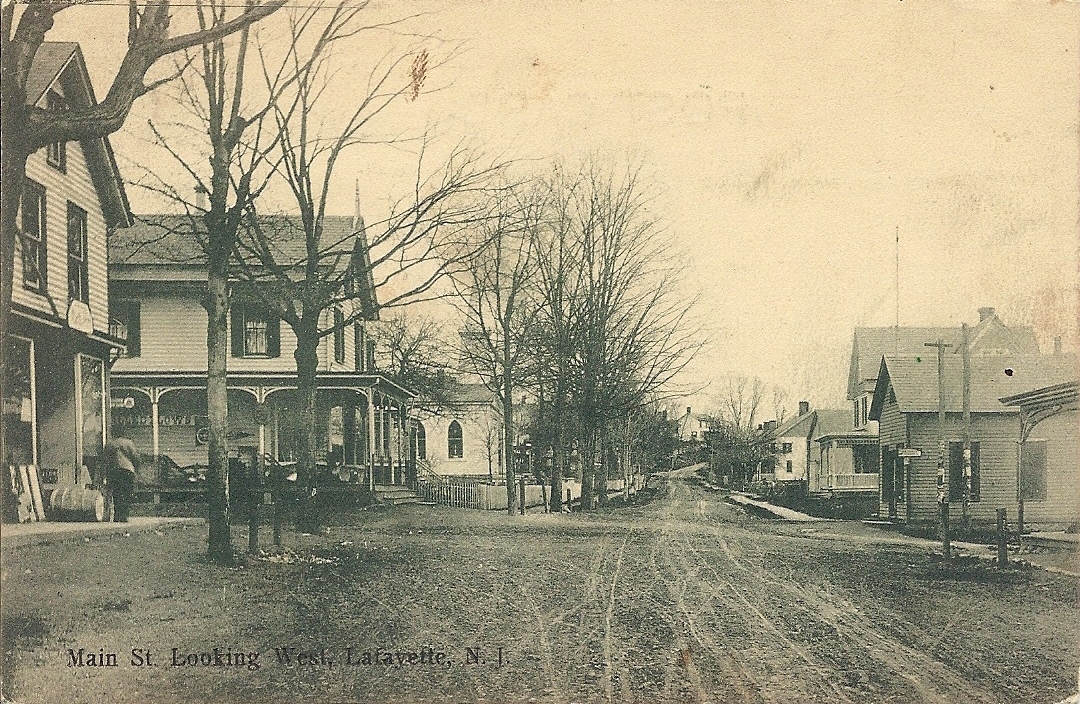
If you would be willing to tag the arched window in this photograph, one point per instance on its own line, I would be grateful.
(419, 438)
(455, 446)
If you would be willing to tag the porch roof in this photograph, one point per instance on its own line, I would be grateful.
(265, 379)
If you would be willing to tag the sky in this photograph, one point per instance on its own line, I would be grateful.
(789, 146)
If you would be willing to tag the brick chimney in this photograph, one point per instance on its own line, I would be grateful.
(688, 410)
(804, 407)
(985, 313)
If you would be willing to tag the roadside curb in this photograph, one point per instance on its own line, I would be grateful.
(26, 534)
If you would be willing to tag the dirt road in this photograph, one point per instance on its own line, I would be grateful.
(683, 599)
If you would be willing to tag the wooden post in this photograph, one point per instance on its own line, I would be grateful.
(569, 498)
(943, 471)
(1002, 539)
(277, 483)
(964, 520)
(253, 494)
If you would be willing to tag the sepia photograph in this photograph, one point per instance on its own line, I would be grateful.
(549, 351)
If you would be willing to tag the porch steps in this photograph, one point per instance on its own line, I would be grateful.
(394, 495)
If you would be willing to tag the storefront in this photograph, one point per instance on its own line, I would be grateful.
(55, 388)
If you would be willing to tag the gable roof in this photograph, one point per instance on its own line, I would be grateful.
(63, 62)
(169, 240)
(869, 345)
(831, 421)
(914, 380)
(799, 426)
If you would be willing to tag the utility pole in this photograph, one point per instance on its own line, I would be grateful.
(966, 352)
(943, 474)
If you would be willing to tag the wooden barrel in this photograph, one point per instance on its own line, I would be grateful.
(77, 503)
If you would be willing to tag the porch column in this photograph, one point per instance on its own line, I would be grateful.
(391, 422)
(155, 435)
(371, 438)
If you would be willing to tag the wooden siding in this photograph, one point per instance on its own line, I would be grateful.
(76, 186)
(997, 434)
(173, 338)
(1061, 507)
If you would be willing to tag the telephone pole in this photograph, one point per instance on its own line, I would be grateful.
(966, 352)
(943, 474)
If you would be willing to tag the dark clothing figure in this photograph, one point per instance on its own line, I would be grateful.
(121, 455)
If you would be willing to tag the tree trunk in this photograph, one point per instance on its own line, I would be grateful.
(602, 475)
(219, 542)
(558, 447)
(11, 183)
(508, 430)
(307, 366)
(588, 450)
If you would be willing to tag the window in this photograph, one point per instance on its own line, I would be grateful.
(255, 333)
(455, 446)
(786, 447)
(855, 414)
(33, 237)
(370, 366)
(78, 268)
(956, 471)
(339, 336)
(864, 413)
(1033, 470)
(419, 441)
(787, 467)
(56, 152)
(124, 324)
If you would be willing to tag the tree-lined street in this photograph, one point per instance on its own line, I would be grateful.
(684, 598)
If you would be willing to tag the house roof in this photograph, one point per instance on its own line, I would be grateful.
(831, 421)
(63, 62)
(799, 426)
(1046, 396)
(163, 240)
(869, 345)
(470, 393)
(914, 380)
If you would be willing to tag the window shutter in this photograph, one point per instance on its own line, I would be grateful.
(134, 338)
(273, 335)
(358, 347)
(237, 314)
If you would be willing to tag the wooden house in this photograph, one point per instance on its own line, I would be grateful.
(1048, 463)
(460, 436)
(59, 345)
(905, 404)
(158, 275)
(989, 337)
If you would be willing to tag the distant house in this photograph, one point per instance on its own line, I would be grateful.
(692, 426)
(158, 395)
(791, 446)
(1049, 456)
(461, 437)
(905, 404)
(58, 344)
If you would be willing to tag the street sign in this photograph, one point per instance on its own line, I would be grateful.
(908, 452)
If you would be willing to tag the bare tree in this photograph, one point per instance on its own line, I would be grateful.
(412, 352)
(407, 254)
(628, 331)
(738, 443)
(494, 294)
(217, 105)
(26, 128)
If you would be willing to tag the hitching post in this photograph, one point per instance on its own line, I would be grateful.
(943, 474)
(1002, 539)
